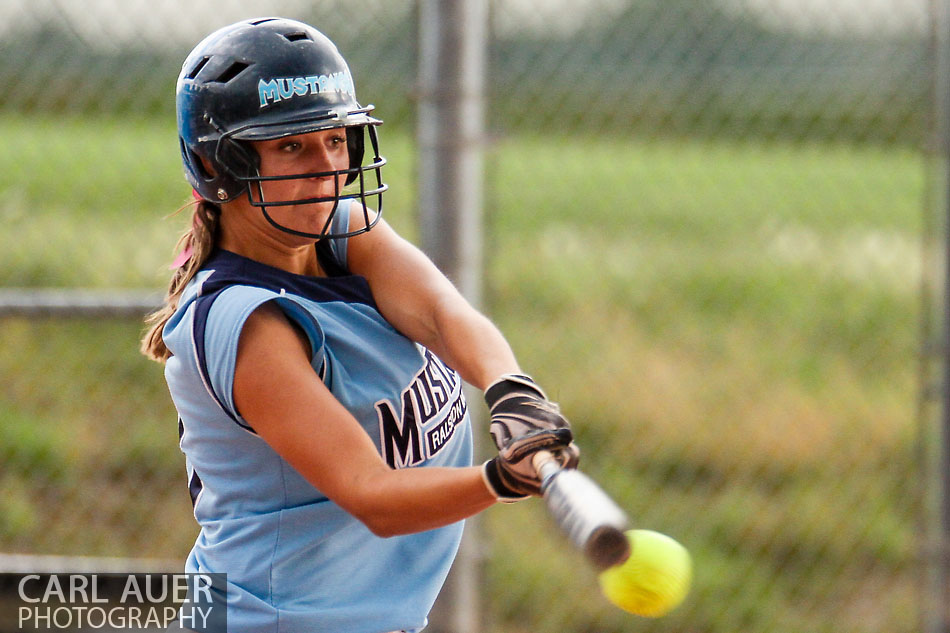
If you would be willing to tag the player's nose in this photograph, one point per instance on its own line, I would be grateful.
(320, 161)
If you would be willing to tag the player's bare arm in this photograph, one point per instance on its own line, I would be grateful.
(419, 301)
(287, 404)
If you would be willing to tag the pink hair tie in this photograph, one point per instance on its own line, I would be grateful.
(182, 258)
(186, 254)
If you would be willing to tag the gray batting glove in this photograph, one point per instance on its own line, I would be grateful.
(523, 422)
(501, 484)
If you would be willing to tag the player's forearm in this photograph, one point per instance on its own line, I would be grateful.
(417, 499)
(471, 344)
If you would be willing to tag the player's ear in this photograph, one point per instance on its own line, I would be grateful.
(206, 166)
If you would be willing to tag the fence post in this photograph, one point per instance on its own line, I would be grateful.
(450, 139)
(939, 616)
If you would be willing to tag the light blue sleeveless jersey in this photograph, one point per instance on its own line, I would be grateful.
(296, 562)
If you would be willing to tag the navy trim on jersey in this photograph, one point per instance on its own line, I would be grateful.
(230, 269)
(195, 485)
(328, 261)
(202, 310)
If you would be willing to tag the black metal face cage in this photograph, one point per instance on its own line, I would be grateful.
(353, 174)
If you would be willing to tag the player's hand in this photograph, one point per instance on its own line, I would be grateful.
(506, 488)
(510, 482)
(524, 421)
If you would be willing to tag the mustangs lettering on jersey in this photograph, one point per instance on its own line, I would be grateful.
(430, 409)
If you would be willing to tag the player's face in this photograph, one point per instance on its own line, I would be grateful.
(313, 153)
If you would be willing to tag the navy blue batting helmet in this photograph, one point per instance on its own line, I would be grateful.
(264, 79)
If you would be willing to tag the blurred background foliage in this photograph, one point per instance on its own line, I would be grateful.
(695, 67)
(711, 230)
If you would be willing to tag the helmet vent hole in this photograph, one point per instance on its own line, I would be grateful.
(262, 21)
(231, 72)
(296, 37)
(198, 165)
(197, 69)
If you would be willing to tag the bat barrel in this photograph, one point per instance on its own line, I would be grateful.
(591, 519)
(607, 546)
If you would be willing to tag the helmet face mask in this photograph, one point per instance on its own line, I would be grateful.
(262, 80)
(355, 186)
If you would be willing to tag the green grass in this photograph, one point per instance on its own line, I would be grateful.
(731, 326)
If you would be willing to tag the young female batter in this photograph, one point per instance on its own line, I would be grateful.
(316, 358)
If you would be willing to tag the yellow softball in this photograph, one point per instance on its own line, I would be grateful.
(654, 580)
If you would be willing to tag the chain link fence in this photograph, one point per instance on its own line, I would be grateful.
(707, 237)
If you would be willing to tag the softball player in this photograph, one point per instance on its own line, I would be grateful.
(316, 359)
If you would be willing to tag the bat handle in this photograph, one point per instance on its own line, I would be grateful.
(546, 465)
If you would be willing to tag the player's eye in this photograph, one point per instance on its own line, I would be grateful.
(290, 147)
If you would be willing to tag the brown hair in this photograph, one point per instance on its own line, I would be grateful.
(195, 245)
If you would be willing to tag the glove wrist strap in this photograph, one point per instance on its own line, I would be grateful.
(508, 384)
(496, 486)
